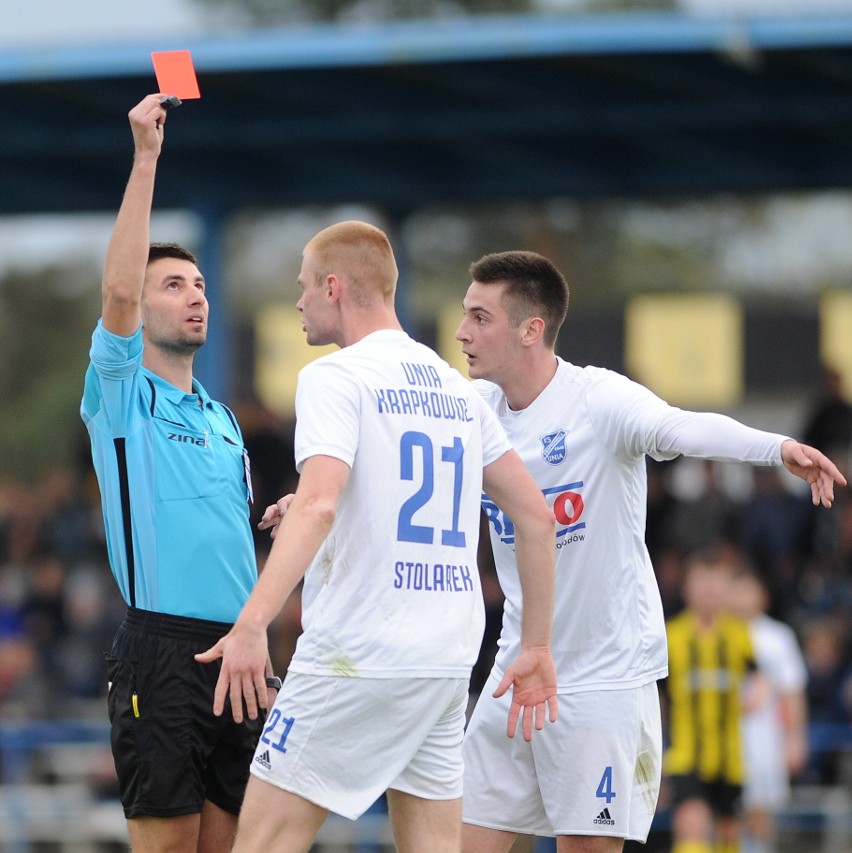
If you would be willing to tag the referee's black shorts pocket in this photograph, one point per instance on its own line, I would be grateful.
(123, 707)
(121, 682)
(121, 673)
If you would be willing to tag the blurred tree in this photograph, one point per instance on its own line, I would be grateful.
(46, 319)
(622, 5)
(272, 12)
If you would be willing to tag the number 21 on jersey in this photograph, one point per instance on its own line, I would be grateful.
(417, 447)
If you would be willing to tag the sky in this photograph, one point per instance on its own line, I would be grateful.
(38, 22)
(765, 7)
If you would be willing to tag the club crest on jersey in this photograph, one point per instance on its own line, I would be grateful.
(553, 447)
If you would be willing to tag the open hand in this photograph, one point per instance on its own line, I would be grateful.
(815, 468)
(242, 677)
(532, 677)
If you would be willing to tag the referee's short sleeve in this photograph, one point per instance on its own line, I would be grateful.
(113, 356)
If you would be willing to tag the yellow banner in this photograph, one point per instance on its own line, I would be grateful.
(687, 348)
(280, 353)
(835, 314)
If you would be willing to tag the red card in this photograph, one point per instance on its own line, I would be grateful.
(176, 73)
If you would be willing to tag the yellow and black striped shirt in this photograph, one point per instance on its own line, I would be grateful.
(706, 671)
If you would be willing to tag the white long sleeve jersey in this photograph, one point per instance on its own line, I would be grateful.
(584, 439)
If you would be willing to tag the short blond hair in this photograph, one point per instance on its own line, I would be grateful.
(361, 254)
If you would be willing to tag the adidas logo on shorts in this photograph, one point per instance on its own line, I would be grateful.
(604, 818)
(263, 759)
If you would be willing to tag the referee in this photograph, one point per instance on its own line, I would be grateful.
(175, 488)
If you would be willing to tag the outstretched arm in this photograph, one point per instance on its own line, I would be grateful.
(244, 649)
(815, 468)
(708, 435)
(532, 674)
(127, 254)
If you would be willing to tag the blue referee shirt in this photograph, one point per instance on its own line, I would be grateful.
(175, 486)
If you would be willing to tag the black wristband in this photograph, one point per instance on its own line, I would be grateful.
(273, 681)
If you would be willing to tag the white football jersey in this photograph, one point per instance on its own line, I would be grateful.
(394, 590)
(584, 439)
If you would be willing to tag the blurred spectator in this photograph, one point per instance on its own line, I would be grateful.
(93, 609)
(17, 661)
(829, 427)
(666, 558)
(17, 657)
(19, 507)
(43, 612)
(66, 521)
(775, 730)
(826, 585)
(705, 515)
(711, 659)
(5, 519)
(829, 676)
(776, 532)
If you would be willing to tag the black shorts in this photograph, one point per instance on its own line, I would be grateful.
(722, 797)
(171, 753)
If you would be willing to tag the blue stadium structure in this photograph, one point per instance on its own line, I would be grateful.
(473, 109)
(412, 113)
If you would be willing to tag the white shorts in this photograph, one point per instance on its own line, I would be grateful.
(596, 771)
(342, 742)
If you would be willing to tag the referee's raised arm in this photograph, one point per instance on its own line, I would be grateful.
(127, 253)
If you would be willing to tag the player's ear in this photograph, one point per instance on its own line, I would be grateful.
(332, 288)
(533, 330)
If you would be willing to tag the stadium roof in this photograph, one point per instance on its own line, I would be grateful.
(479, 109)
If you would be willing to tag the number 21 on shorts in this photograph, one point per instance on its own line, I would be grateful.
(276, 717)
(605, 790)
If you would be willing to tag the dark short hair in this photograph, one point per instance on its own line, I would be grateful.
(170, 250)
(534, 287)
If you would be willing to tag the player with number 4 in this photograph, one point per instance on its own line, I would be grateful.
(584, 433)
(393, 448)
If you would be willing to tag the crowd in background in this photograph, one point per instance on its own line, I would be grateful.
(59, 605)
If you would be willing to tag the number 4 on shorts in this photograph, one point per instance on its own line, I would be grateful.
(605, 786)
